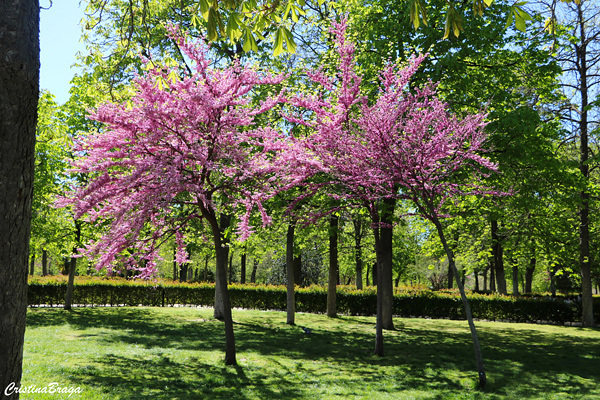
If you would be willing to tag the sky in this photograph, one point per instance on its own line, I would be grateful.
(59, 42)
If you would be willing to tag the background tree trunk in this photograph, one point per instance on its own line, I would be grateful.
(32, 264)
(358, 252)
(333, 266)
(44, 262)
(289, 266)
(387, 280)
(254, 268)
(243, 266)
(73, 267)
(498, 258)
(529, 274)
(19, 91)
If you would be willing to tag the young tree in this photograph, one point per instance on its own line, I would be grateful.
(182, 150)
(405, 145)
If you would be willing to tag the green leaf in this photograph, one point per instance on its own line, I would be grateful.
(289, 40)
(278, 48)
(249, 41)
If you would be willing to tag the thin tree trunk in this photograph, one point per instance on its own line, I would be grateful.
(230, 269)
(463, 296)
(243, 266)
(254, 269)
(19, 92)
(476, 275)
(175, 263)
(289, 262)
(73, 268)
(32, 265)
(44, 262)
(298, 270)
(333, 266)
(386, 234)
(379, 315)
(498, 258)
(357, 222)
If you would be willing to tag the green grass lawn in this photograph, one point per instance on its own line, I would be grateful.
(177, 353)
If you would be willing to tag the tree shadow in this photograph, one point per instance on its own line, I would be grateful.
(519, 362)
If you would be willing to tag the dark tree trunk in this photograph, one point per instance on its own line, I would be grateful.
(254, 269)
(492, 277)
(333, 266)
(19, 90)
(450, 277)
(529, 274)
(206, 268)
(367, 277)
(289, 266)
(32, 264)
(73, 267)
(298, 270)
(379, 315)
(230, 269)
(498, 258)
(476, 276)
(183, 268)
(358, 252)
(375, 273)
(386, 234)
(515, 279)
(44, 262)
(243, 267)
(477, 348)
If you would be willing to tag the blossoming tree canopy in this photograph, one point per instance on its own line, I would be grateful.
(181, 149)
(406, 144)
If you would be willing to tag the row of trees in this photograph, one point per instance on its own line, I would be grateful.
(542, 137)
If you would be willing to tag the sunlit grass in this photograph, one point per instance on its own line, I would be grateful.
(176, 353)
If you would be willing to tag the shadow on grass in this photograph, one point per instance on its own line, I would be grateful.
(520, 363)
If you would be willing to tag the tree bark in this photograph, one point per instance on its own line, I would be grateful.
(298, 270)
(19, 91)
(222, 300)
(515, 279)
(463, 296)
(498, 258)
(175, 263)
(333, 266)
(230, 269)
(387, 280)
(254, 269)
(358, 252)
(223, 252)
(529, 274)
(243, 266)
(44, 262)
(73, 267)
(32, 264)
(379, 314)
(289, 266)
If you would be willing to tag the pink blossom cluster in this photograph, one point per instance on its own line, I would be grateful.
(189, 148)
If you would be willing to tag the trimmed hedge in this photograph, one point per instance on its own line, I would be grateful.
(407, 303)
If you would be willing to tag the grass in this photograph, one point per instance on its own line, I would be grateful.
(176, 353)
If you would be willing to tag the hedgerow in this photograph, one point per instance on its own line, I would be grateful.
(408, 302)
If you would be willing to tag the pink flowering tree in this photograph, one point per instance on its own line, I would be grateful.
(184, 149)
(406, 145)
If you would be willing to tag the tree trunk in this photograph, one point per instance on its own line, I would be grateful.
(375, 272)
(333, 266)
(243, 266)
(254, 269)
(476, 276)
(477, 348)
(73, 267)
(19, 91)
(44, 262)
(175, 263)
(367, 277)
(222, 300)
(206, 268)
(230, 269)
(379, 315)
(289, 264)
(223, 251)
(32, 264)
(529, 274)
(358, 252)
(386, 234)
(515, 279)
(498, 258)
(298, 270)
